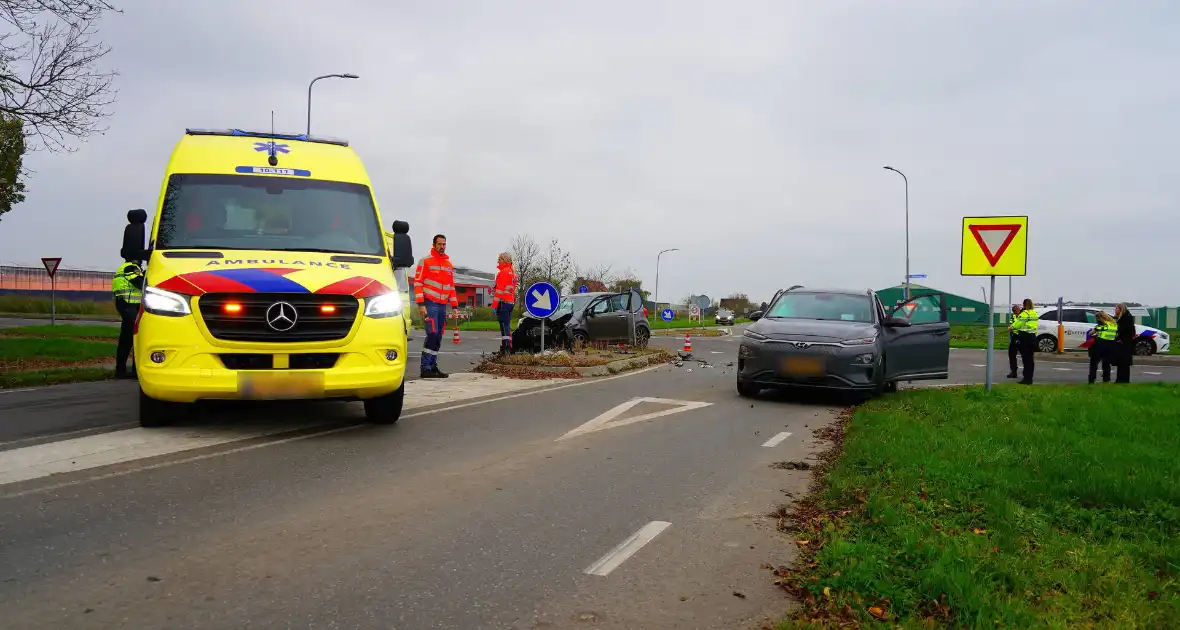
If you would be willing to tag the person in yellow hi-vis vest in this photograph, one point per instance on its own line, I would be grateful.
(1025, 327)
(1102, 347)
(127, 287)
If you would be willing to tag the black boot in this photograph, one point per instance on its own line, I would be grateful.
(1011, 374)
(439, 373)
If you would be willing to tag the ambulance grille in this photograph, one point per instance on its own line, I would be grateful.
(316, 317)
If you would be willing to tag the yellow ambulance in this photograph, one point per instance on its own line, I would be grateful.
(268, 276)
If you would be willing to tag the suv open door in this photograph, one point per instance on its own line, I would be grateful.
(917, 339)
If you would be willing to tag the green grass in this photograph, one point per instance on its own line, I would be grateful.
(21, 305)
(39, 352)
(34, 378)
(1048, 506)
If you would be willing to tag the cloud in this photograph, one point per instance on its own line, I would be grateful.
(750, 135)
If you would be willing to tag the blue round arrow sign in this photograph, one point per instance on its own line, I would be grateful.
(541, 299)
(583, 289)
(667, 315)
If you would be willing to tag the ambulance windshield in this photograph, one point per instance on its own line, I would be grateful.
(268, 213)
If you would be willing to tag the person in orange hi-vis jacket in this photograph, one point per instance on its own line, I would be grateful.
(434, 289)
(504, 299)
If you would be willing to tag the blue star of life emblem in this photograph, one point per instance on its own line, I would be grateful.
(271, 147)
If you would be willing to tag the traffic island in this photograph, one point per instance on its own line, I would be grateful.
(692, 332)
(1049, 506)
(577, 363)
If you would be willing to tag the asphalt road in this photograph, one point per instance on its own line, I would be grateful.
(637, 501)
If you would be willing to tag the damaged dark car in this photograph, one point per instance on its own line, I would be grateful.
(586, 318)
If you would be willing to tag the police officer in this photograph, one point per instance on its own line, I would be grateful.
(1025, 325)
(127, 287)
(434, 289)
(1102, 348)
(1013, 342)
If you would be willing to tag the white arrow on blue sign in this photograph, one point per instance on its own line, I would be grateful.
(541, 299)
(583, 289)
(667, 315)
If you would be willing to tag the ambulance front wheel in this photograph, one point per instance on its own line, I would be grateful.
(386, 409)
(157, 413)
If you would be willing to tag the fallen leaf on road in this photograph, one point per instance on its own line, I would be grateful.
(802, 543)
(878, 612)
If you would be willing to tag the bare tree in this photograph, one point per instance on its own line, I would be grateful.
(627, 280)
(555, 265)
(48, 69)
(525, 255)
(595, 277)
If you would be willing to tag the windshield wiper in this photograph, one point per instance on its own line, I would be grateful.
(317, 250)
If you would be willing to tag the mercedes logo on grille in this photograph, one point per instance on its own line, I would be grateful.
(802, 345)
(281, 316)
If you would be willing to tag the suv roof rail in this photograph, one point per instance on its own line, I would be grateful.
(266, 134)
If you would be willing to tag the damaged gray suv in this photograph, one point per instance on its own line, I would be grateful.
(845, 340)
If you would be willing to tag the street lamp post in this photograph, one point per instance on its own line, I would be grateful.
(907, 229)
(656, 297)
(309, 86)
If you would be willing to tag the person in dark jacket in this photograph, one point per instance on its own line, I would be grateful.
(1124, 348)
(1013, 342)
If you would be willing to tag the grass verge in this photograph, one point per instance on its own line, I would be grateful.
(54, 376)
(39, 307)
(1030, 507)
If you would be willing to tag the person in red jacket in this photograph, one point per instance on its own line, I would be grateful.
(504, 299)
(434, 289)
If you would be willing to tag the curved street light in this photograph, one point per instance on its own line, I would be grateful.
(656, 295)
(346, 75)
(907, 229)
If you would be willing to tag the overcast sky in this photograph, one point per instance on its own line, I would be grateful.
(751, 135)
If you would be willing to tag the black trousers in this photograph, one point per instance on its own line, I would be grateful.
(127, 314)
(1013, 350)
(1100, 353)
(1122, 358)
(1028, 343)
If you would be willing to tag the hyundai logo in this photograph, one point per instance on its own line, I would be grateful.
(281, 316)
(802, 345)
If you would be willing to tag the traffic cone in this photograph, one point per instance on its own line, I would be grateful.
(455, 338)
(687, 343)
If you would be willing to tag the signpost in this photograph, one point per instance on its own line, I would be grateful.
(915, 276)
(541, 300)
(583, 289)
(51, 265)
(1060, 326)
(694, 311)
(667, 315)
(994, 246)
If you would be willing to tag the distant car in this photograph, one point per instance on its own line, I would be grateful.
(1079, 323)
(724, 316)
(845, 340)
(586, 317)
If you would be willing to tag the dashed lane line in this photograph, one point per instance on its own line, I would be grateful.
(627, 548)
(776, 440)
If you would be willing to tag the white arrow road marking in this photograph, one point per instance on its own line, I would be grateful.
(607, 420)
(776, 440)
(627, 548)
(541, 300)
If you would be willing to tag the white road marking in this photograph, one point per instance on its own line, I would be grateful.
(4, 455)
(1154, 373)
(607, 420)
(627, 548)
(776, 440)
(978, 365)
(1064, 369)
(17, 391)
(716, 352)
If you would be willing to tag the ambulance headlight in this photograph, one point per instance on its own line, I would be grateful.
(384, 305)
(160, 302)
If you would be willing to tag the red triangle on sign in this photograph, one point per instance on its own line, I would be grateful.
(51, 265)
(990, 243)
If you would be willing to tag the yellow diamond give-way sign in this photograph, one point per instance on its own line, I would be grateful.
(994, 246)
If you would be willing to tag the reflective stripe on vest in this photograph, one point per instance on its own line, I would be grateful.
(1106, 331)
(1026, 321)
(434, 280)
(122, 285)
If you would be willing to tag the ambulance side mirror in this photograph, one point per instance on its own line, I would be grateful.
(134, 236)
(403, 249)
